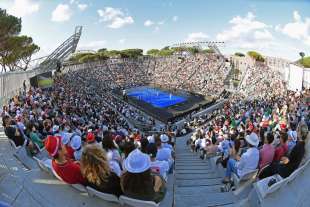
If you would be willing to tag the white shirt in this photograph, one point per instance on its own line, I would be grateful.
(164, 154)
(114, 155)
(115, 168)
(162, 166)
(248, 162)
(166, 145)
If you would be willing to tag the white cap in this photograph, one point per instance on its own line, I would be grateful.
(164, 138)
(137, 162)
(55, 128)
(252, 139)
(65, 138)
(151, 139)
(76, 142)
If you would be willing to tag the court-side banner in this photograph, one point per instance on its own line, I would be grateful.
(44, 80)
(295, 78)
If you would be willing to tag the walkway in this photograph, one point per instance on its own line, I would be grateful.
(197, 184)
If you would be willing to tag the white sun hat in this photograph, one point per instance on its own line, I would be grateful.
(76, 142)
(137, 162)
(252, 139)
(65, 138)
(164, 138)
(151, 139)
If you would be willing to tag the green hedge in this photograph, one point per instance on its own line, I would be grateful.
(257, 56)
(305, 62)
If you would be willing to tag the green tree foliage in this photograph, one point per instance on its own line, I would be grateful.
(208, 51)
(239, 54)
(113, 53)
(305, 62)
(104, 54)
(102, 50)
(166, 51)
(153, 52)
(88, 58)
(15, 51)
(131, 53)
(76, 57)
(193, 50)
(256, 56)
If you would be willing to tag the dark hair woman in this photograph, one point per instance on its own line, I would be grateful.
(110, 147)
(138, 182)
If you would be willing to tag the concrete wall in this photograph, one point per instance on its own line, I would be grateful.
(306, 78)
(12, 82)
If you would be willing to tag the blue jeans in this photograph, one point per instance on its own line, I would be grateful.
(231, 167)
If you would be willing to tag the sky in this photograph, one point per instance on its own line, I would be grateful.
(279, 28)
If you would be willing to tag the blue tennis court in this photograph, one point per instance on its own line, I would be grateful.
(155, 97)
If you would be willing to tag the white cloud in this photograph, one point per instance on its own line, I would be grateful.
(297, 29)
(115, 17)
(61, 13)
(93, 45)
(82, 7)
(23, 8)
(263, 35)
(196, 36)
(175, 18)
(122, 41)
(161, 22)
(247, 32)
(156, 29)
(148, 23)
(72, 1)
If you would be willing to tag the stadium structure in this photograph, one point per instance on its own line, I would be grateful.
(189, 97)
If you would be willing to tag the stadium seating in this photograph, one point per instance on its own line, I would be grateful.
(124, 200)
(105, 196)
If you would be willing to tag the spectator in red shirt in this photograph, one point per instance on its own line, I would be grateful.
(282, 149)
(67, 170)
(266, 154)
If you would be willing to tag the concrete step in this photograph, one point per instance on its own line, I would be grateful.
(193, 190)
(195, 176)
(200, 171)
(182, 160)
(190, 167)
(192, 164)
(205, 200)
(198, 182)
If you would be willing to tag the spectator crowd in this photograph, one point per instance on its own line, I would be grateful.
(89, 140)
(267, 134)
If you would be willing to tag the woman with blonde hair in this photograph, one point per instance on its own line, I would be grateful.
(95, 168)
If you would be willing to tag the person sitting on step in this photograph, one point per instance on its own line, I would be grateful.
(247, 162)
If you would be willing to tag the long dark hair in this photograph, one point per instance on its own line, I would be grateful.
(107, 142)
(137, 183)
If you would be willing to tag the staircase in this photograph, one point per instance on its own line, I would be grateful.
(197, 184)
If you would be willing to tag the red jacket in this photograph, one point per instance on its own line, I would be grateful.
(69, 172)
(70, 152)
(280, 152)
